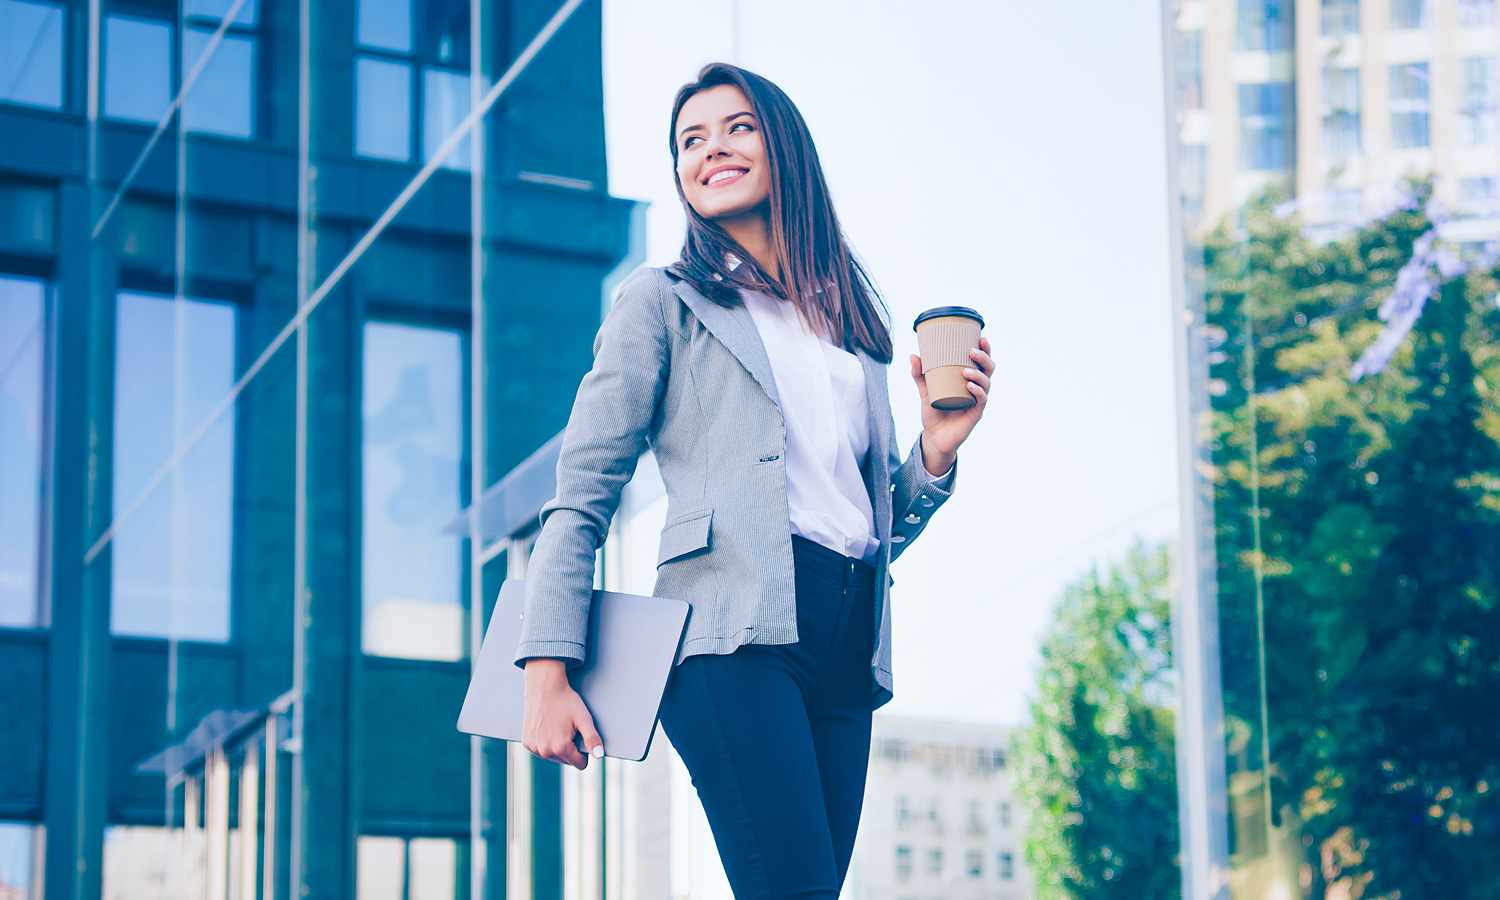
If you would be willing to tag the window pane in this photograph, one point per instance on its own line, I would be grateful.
(445, 102)
(382, 98)
(1341, 129)
(413, 445)
(1189, 69)
(137, 68)
(1340, 16)
(215, 9)
(385, 24)
(170, 562)
(381, 867)
(220, 101)
(1264, 25)
(1408, 13)
(1476, 12)
(31, 60)
(17, 861)
(22, 333)
(1479, 101)
(1409, 109)
(1264, 142)
(433, 869)
(445, 32)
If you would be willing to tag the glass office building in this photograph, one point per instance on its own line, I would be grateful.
(1337, 636)
(270, 314)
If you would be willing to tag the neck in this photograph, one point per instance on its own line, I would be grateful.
(752, 231)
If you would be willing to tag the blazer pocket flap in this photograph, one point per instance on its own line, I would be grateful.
(685, 536)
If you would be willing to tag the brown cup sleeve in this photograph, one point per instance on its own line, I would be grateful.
(947, 344)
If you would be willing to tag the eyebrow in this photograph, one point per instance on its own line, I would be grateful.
(727, 119)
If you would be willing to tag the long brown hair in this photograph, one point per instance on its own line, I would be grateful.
(818, 272)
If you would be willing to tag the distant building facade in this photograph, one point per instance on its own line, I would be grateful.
(940, 821)
(1334, 102)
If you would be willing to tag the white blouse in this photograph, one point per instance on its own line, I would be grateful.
(827, 414)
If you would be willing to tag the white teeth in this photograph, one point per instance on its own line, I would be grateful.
(727, 173)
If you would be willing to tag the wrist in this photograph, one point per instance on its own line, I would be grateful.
(938, 462)
(545, 671)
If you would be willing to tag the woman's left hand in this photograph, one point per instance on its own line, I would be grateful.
(943, 430)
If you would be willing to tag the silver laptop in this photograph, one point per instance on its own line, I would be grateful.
(632, 645)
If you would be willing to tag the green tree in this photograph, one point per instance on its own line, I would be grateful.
(1358, 535)
(1096, 766)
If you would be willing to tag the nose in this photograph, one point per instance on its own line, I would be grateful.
(714, 145)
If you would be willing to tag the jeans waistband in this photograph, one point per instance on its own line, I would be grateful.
(831, 564)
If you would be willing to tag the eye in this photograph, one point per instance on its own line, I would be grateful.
(688, 142)
(738, 125)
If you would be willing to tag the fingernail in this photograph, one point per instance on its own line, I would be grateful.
(970, 372)
(599, 752)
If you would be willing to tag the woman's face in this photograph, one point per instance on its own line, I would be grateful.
(721, 158)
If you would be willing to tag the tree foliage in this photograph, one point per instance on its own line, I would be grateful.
(1096, 764)
(1374, 565)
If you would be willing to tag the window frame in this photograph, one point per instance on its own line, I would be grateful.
(436, 319)
(250, 32)
(238, 338)
(418, 61)
(178, 66)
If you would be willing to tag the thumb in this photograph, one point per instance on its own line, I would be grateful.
(591, 740)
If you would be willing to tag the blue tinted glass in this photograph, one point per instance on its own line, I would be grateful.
(216, 9)
(22, 334)
(31, 61)
(413, 446)
(16, 851)
(221, 99)
(137, 68)
(445, 102)
(170, 561)
(382, 100)
(385, 24)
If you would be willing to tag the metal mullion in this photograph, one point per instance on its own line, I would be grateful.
(478, 425)
(1202, 785)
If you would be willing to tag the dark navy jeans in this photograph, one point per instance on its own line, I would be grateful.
(777, 737)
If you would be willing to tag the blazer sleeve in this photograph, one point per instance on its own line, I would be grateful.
(914, 495)
(606, 433)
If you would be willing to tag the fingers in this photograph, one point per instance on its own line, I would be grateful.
(980, 394)
(919, 378)
(982, 357)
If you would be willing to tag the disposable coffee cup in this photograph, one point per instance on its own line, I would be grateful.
(945, 335)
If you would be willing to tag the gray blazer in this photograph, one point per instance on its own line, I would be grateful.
(692, 378)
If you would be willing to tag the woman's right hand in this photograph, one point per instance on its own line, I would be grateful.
(554, 714)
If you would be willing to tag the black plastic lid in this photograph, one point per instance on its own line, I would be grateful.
(939, 311)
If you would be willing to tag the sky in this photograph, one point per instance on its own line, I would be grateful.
(1004, 155)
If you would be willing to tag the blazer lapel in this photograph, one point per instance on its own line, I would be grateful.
(733, 328)
(877, 467)
(878, 398)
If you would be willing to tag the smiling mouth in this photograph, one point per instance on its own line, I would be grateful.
(724, 175)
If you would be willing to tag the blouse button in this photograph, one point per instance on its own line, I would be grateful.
(898, 538)
(913, 519)
(926, 500)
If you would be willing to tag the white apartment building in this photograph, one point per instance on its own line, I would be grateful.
(1335, 101)
(939, 820)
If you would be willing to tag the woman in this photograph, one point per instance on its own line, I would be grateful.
(755, 367)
